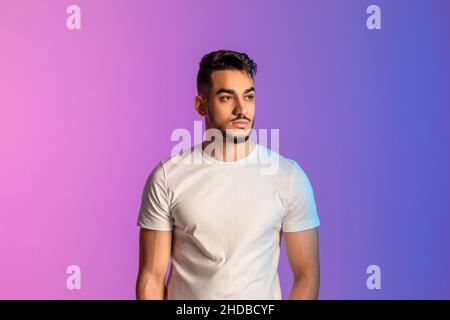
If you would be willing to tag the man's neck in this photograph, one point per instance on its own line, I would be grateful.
(228, 151)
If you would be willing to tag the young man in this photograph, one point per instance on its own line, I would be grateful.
(220, 219)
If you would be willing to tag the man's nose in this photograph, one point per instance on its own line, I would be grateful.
(240, 108)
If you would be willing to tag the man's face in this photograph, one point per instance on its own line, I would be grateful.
(231, 103)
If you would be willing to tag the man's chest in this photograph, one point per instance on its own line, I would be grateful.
(230, 201)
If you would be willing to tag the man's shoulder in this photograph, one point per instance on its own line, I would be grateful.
(168, 166)
(286, 165)
(182, 157)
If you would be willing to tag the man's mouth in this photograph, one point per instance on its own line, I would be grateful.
(240, 124)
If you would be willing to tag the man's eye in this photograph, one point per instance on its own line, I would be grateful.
(225, 98)
(251, 97)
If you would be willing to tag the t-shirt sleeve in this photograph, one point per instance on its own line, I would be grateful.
(154, 212)
(301, 213)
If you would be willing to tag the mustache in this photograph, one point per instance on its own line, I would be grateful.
(241, 118)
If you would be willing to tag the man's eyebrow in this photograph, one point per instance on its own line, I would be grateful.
(231, 91)
(249, 90)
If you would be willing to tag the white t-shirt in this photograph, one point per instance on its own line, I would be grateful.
(226, 219)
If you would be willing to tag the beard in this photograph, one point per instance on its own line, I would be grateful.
(236, 138)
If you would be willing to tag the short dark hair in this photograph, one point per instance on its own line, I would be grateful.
(222, 60)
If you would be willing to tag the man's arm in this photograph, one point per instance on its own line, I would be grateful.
(154, 255)
(302, 249)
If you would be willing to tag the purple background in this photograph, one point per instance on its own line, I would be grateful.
(86, 114)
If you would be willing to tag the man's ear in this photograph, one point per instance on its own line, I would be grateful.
(200, 105)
